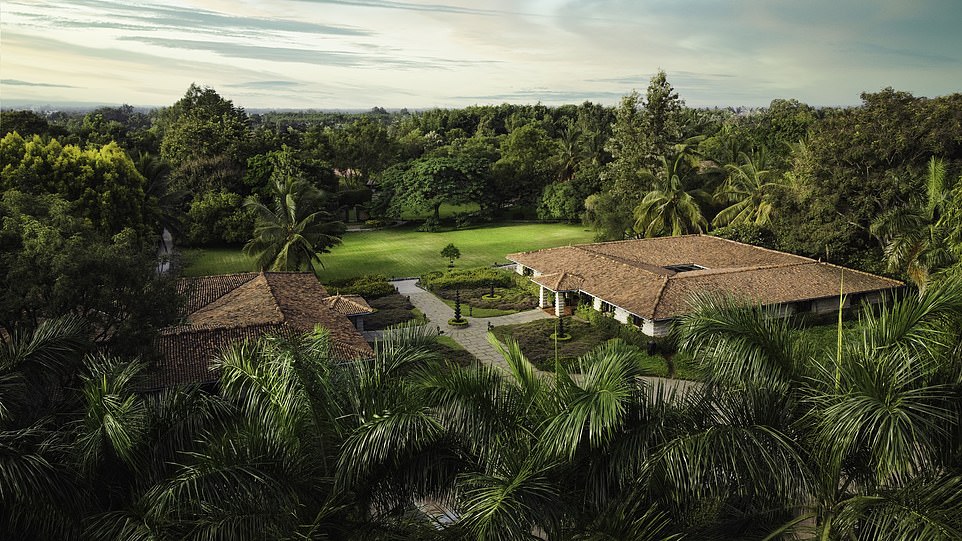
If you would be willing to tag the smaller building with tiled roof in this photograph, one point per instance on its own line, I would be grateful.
(220, 310)
(352, 306)
(649, 282)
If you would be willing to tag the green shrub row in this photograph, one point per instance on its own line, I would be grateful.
(466, 278)
(371, 286)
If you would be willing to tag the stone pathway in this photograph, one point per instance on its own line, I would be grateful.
(474, 337)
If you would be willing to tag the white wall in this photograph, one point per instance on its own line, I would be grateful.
(656, 328)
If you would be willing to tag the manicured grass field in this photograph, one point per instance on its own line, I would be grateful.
(399, 252)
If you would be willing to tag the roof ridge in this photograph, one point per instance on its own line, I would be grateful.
(728, 270)
(756, 247)
(646, 267)
(661, 293)
(277, 305)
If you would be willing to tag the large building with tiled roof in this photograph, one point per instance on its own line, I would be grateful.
(220, 310)
(649, 282)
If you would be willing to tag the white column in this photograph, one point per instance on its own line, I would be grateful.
(519, 268)
(559, 303)
(596, 303)
(542, 300)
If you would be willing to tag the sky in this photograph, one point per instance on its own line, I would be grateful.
(358, 54)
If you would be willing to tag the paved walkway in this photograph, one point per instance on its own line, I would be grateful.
(474, 337)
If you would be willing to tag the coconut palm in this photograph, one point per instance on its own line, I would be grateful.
(748, 190)
(670, 208)
(296, 230)
(915, 237)
(157, 174)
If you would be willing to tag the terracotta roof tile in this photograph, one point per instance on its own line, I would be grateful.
(349, 305)
(560, 281)
(230, 308)
(631, 274)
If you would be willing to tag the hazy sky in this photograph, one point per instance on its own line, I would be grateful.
(327, 54)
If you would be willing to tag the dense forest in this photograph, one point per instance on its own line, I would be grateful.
(858, 441)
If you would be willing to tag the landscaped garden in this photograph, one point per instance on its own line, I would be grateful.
(539, 346)
(483, 291)
(404, 251)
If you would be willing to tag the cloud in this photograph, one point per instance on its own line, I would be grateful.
(157, 18)
(266, 85)
(301, 55)
(16, 82)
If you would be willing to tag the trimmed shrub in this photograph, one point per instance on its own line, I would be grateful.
(477, 278)
(371, 286)
(614, 328)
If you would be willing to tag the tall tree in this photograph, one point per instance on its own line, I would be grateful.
(749, 191)
(671, 208)
(292, 233)
(916, 237)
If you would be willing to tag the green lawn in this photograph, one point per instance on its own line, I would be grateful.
(406, 252)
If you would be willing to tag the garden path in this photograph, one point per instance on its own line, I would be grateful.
(474, 337)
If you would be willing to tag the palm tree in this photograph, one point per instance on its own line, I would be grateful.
(157, 174)
(862, 438)
(670, 208)
(915, 237)
(40, 493)
(570, 153)
(749, 190)
(292, 234)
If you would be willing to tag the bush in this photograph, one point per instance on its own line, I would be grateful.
(613, 328)
(480, 277)
(511, 299)
(371, 286)
(374, 224)
(463, 219)
(430, 225)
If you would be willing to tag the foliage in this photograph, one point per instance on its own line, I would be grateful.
(480, 277)
(217, 218)
(748, 191)
(431, 181)
(671, 208)
(292, 234)
(450, 252)
(392, 309)
(53, 263)
(915, 237)
(559, 201)
(101, 183)
(369, 286)
(747, 233)
(859, 163)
